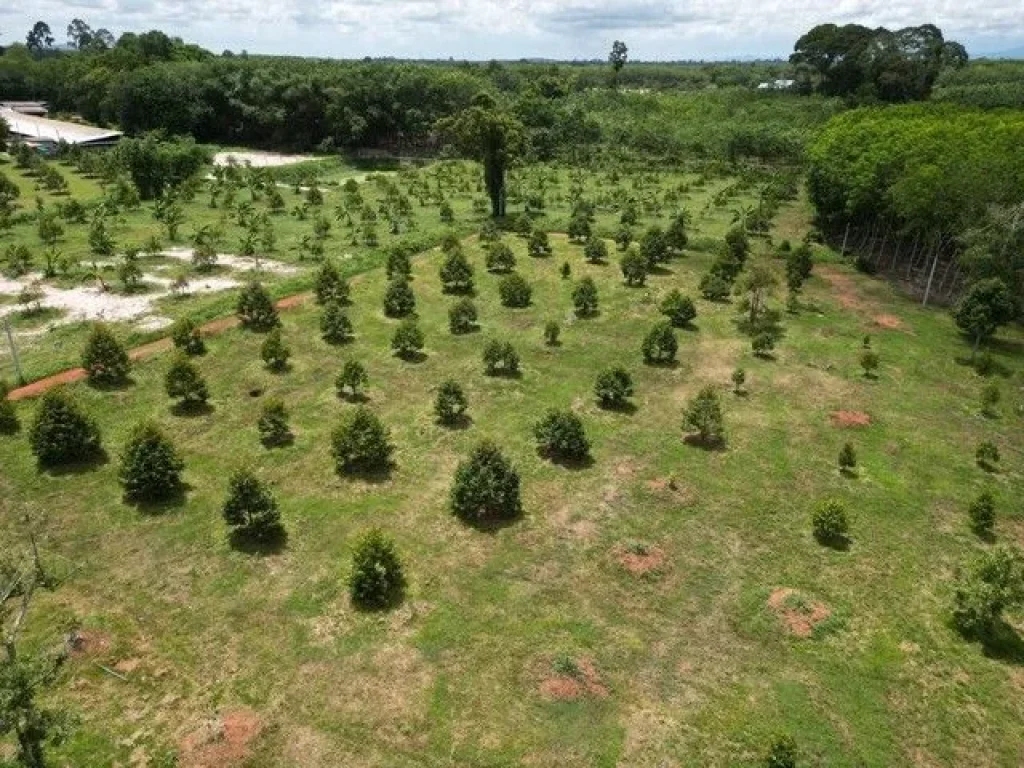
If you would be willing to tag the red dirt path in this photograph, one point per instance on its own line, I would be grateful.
(37, 388)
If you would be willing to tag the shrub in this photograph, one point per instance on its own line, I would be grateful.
(654, 247)
(399, 300)
(456, 273)
(274, 351)
(352, 378)
(450, 405)
(829, 522)
(634, 267)
(462, 316)
(150, 466)
(184, 382)
(551, 333)
(584, 297)
(446, 212)
(500, 258)
(781, 753)
(522, 225)
(869, 362)
(565, 271)
(539, 246)
(330, 286)
(489, 232)
(579, 229)
(987, 455)
(560, 435)
(398, 265)
(982, 513)
(739, 378)
(704, 416)
(407, 340)
(335, 327)
(486, 487)
(660, 345)
(9, 423)
(104, 359)
(714, 287)
(500, 358)
(613, 387)
(675, 236)
(515, 292)
(595, 250)
(990, 396)
(255, 309)
(360, 443)
(623, 238)
(250, 508)
(992, 584)
(187, 337)
(847, 459)
(273, 423)
(377, 579)
(61, 433)
(679, 309)
(763, 344)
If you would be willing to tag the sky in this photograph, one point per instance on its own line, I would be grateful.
(513, 29)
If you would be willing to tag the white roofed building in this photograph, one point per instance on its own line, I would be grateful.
(45, 133)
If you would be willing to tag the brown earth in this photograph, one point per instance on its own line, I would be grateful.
(800, 620)
(572, 687)
(850, 419)
(223, 741)
(640, 564)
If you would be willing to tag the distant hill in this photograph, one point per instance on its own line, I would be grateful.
(1012, 53)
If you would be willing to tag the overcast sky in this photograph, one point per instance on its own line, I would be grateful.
(510, 29)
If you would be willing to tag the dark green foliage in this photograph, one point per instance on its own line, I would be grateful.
(500, 358)
(462, 316)
(489, 232)
(714, 287)
(654, 247)
(990, 396)
(987, 455)
(675, 236)
(335, 327)
(799, 264)
(830, 523)
(660, 345)
(579, 229)
(407, 340)
(61, 433)
(187, 337)
(399, 300)
(274, 352)
(250, 508)
(739, 378)
(456, 273)
(987, 305)
(104, 359)
(486, 487)
(763, 344)
(679, 309)
(450, 405)
(377, 579)
(184, 381)
(9, 423)
(704, 416)
(982, 513)
(613, 387)
(500, 258)
(869, 362)
(560, 436)
(255, 309)
(634, 267)
(515, 292)
(398, 265)
(551, 333)
(351, 379)
(992, 584)
(330, 285)
(360, 443)
(584, 297)
(273, 423)
(565, 271)
(781, 753)
(595, 250)
(623, 238)
(847, 459)
(539, 245)
(446, 213)
(150, 466)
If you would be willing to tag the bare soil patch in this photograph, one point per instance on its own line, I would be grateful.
(846, 292)
(565, 687)
(850, 419)
(889, 322)
(799, 614)
(640, 561)
(222, 741)
(259, 159)
(84, 643)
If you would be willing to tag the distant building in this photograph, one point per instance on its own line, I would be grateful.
(776, 85)
(34, 108)
(45, 134)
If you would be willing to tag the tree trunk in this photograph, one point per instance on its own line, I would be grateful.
(846, 236)
(931, 274)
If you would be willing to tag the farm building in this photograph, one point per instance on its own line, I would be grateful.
(34, 108)
(44, 133)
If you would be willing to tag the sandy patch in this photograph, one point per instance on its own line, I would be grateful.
(585, 682)
(850, 419)
(222, 741)
(259, 159)
(239, 263)
(799, 615)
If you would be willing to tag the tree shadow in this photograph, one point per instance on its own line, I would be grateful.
(114, 385)
(669, 365)
(838, 543)
(992, 367)
(849, 472)
(1003, 643)
(711, 444)
(501, 373)
(491, 524)
(415, 357)
(271, 542)
(81, 466)
(660, 270)
(571, 463)
(626, 407)
(588, 315)
(190, 409)
(768, 357)
(458, 290)
(355, 398)
(370, 474)
(339, 341)
(459, 423)
(988, 466)
(468, 331)
(174, 500)
(392, 600)
(279, 369)
(282, 441)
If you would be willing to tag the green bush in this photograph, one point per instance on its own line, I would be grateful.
(456, 273)
(595, 250)
(987, 455)
(739, 378)
(869, 361)
(273, 423)
(539, 245)
(634, 267)
(500, 358)
(184, 382)
(763, 344)
(398, 264)
(399, 300)
(150, 466)
(829, 522)
(187, 337)
(560, 435)
(335, 327)
(565, 270)
(659, 346)
(450, 405)
(679, 309)
(704, 416)
(613, 387)
(500, 258)
(61, 433)
(377, 579)
(982, 513)
(551, 333)
(486, 487)
(782, 753)
(579, 229)
(584, 297)
(675, 236)
(654, 247)
(104, 359)
(9, 423)
(992, 584)
(407, 340)
(462, 316)
(351, 379)
(330, 286)
(255, 309)
(515, 292)
(990, 397)
(250, 508)
(847, 459)
(623, 238)
(360, 443)
(714, 287)
(274, 352)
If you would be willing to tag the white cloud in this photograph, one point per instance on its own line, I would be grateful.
(654, 29)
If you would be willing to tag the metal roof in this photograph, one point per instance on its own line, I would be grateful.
(45, 129)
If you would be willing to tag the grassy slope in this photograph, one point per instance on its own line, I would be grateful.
(699, 671)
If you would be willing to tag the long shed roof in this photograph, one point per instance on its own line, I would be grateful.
(45, 129)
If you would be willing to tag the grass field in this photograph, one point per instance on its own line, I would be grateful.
(635, 615)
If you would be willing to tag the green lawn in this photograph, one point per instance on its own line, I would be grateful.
(690, 665)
